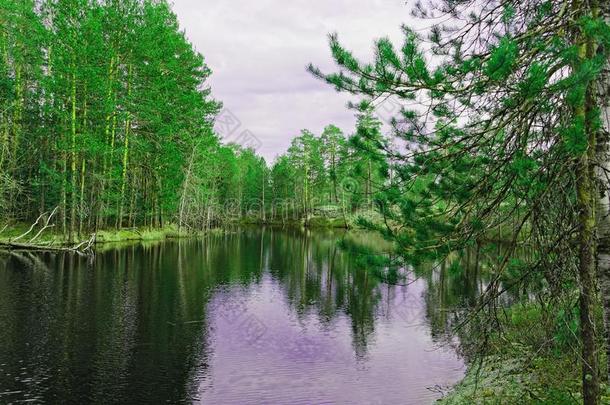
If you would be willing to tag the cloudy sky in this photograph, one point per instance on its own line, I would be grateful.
(258, 50)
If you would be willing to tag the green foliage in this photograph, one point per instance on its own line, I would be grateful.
(502, 60)
(503, 124)
(106, 101)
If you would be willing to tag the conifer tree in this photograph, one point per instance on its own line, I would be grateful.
(332, 140)
(506, 133)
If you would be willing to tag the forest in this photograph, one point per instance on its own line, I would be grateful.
(501, 143)
(102, 126)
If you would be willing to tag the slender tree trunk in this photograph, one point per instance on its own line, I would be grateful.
(334, 174)
(187, 179)
(306, 195)
(73, 153)
(132, 205)
(109, 119)
(17, 115)
(263, 205)
(587, 285)
(156, 212)
(64, 193)
(125, 156)
(586, 241)
(603, 204)
(81, 204)
(4, 146)
(369, 188)
(83, 169)
(112, 145)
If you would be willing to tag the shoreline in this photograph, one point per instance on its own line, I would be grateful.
(145, 234)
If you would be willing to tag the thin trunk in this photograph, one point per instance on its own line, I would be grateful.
(125, 155)
(155, 212)
(17, 115)
(187, 179)
(64, 192)
(586, 249)
(263, 206)
(81, 204)
(603, 204)
(4, 147)
(334, 174)
(112, 144)
(83, 169)
(107, 141)
(369, 188)
(306, 194)
(132, 207)
(73, 153)
(587, 284)
(343, 209)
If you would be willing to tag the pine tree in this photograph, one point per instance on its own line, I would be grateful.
(332, 140)
(505, 135)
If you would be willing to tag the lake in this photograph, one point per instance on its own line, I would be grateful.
(254, 316)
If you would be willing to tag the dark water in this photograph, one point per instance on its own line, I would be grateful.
(259, 316)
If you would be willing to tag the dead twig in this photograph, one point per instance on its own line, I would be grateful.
(31, 228)
(87, 243)
(46, 225)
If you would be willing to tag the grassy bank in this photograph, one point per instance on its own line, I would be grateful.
(54, 238)
(145, 234)
(350, 221)
(534, 360)
(314, 222)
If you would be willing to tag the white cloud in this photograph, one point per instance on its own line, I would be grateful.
(258, 51)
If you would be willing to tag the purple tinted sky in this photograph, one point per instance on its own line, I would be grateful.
(258, 51)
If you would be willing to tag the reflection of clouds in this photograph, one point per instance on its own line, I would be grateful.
(229, 310)
(312, 349)
(252, 329)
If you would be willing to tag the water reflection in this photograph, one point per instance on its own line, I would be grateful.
(456, 286)
(255, 316)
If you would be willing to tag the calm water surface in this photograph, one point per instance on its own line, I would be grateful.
(259, 316)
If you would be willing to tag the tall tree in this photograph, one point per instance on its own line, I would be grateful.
(507, 130)
(332, 140)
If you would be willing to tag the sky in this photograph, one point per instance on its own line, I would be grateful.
(258, 51)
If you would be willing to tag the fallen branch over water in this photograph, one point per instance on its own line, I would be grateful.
(85, 246)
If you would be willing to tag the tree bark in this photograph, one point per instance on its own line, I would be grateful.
(73, 198)
(110, 118)
(185, 185)
(603, 204)
(83, 169)
(585, 191)
(119, 220)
